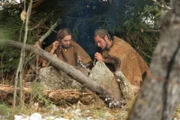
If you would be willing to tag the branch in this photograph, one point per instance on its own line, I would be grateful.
(70, 70)
(43, 37)
(154, 31)
(21, 61)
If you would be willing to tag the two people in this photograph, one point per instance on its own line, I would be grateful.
(115, 52)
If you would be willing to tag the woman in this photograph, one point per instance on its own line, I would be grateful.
(67, 50)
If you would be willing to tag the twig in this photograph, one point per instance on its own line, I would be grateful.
(83, 66)
(43, 37)
(154, 31)
(41, 22)
(143, 52)
(21, 61)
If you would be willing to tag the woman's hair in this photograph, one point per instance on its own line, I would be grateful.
(102, 33)
(62, 33)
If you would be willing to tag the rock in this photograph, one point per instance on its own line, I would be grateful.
(53, 79)
(101, 74)
(36, 116)
(128, 90)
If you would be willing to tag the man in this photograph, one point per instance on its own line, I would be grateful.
(67, 50)
(121, 55)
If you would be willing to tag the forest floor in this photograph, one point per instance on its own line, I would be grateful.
(78, 111)
(95, 111)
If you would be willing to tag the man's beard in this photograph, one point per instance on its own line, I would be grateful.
(106, 46)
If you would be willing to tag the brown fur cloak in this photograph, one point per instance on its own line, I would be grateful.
(71, 54)
(131, 63)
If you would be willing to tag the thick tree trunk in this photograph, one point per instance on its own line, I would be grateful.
(70, 70)
(160, 93)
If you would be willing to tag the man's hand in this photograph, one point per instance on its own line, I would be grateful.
(99, 57)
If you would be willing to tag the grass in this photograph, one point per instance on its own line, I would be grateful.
(177, 113)
(4, 110)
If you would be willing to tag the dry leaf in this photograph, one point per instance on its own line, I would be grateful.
(23, 15)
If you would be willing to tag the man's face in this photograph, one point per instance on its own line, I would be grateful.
(66, 41)
(101, 42)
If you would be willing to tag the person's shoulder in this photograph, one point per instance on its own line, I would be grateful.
(74, 44)
(120, 44)
(118, 39)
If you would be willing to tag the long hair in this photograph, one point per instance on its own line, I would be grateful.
(62, 33)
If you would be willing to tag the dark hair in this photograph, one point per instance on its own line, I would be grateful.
(62, 33)
(102, 33)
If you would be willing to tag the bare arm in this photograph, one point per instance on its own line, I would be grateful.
(112, 60)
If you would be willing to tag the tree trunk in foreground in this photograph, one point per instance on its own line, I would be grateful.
(160, 93)
(70, 70)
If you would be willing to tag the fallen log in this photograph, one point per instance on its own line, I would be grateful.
(107, 97)
(58, 97)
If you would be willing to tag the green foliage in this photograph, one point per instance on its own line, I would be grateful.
(140, 30)
(9, 61)
(9, 26)
(4, 110)
(37, 93)
(100, 113)
(146, 19)
(9, 29)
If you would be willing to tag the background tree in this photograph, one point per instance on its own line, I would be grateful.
(160, 93)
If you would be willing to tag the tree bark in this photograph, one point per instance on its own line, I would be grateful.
(160, 92)
(56, 96)
(70, 70)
